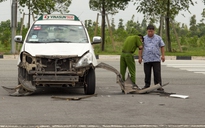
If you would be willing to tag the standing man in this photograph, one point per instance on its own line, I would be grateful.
(127, 60)
(153, 54)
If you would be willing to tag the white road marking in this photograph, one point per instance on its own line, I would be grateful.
(102, 126)
(193, 66)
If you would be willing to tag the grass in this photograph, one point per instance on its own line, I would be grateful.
(109, 50)
(188, 51)
(4, 50)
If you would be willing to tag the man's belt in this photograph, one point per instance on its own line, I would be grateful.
(127, 52)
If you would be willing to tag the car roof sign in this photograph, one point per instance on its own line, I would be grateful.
(58, 17)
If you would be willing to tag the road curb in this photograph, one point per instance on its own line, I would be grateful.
(1, 56)
(117, 57)
(183, 57)
(9, 56)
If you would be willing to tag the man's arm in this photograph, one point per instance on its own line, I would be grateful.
(163, 54)
(140, 54)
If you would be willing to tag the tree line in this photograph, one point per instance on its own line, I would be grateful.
(188, 37)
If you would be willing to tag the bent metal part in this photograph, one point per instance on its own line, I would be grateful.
(25, 87)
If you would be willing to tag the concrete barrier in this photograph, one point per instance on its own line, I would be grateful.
(10, 56)
(109, 57)
(198, 57)
(183, 58)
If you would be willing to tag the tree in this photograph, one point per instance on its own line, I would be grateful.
(120, 24)
(107, 7)
(203, 15)
(88, 24)
(45, 6)
(201, 29)
(131, 26)
(113, 24)
(192, 24)
(183, 30)
(5, 33)
(167, 8)
(143, 26)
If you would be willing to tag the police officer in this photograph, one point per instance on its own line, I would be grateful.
(127, 60)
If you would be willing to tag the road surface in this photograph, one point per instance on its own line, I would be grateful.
(111, 108)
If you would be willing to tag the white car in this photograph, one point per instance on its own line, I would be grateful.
(57, 51)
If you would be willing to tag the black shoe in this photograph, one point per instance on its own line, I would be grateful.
(145, 87)
(160, 89)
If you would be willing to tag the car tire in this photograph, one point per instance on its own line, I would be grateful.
(19, 73)
(89, 87)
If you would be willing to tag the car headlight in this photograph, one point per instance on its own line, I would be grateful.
(26, 57)
(85, 60)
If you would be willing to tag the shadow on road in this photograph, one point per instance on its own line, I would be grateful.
(63, 91)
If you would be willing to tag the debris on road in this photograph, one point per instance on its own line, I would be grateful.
(73, 98)
(126, 86)
(17, 91)
(179, 96)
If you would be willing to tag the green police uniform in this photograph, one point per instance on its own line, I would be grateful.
(126, 59)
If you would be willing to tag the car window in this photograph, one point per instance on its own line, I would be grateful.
(57, 33)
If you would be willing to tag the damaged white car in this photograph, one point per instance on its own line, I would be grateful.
(56, 51)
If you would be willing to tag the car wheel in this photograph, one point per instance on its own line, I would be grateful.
(21, 73)
(89, 86)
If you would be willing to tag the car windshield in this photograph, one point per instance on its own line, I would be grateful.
(57, 34)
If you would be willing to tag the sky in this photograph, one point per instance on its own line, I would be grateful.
(82, 10)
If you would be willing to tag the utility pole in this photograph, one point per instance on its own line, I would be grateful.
(29, 14)
(103, 26)
(13, 25)
(168, 26)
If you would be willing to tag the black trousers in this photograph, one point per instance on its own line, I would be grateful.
(156, 66)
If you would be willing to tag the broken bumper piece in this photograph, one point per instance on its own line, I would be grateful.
(126, 86)
(18, 91)
(25, 88)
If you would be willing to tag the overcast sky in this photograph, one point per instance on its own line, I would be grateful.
(81, 9)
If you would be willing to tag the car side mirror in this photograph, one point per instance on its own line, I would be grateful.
(97, 40)
(18, 39)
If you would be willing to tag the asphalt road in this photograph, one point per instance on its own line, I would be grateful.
(111, 108)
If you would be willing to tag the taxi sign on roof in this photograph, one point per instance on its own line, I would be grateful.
(58, 17)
